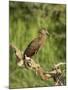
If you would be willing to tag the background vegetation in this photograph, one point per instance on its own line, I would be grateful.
(25, 21)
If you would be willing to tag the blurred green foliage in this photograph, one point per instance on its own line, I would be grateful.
(25, 21)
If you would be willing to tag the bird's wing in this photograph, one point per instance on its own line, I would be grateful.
(32, 48)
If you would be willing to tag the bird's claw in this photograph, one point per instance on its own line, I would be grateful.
(27, 63)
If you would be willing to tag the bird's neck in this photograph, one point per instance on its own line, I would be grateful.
(42, 39)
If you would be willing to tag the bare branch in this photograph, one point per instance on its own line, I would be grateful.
(54, 74)
(59, 64)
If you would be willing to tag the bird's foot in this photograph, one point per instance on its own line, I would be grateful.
(27, 64)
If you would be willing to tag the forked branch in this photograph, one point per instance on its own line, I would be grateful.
(55, 73)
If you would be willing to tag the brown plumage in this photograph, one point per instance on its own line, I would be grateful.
(35, 44)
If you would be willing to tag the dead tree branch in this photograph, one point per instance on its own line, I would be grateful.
(55, 73)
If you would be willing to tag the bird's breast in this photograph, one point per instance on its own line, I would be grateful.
(42, 41)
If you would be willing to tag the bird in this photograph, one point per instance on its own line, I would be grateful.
(34, 46)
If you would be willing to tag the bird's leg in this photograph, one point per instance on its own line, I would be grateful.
(27, 61)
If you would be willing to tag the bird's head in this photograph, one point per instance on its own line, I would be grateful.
(44, 32)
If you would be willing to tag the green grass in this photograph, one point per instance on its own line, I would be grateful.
(23, 30)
